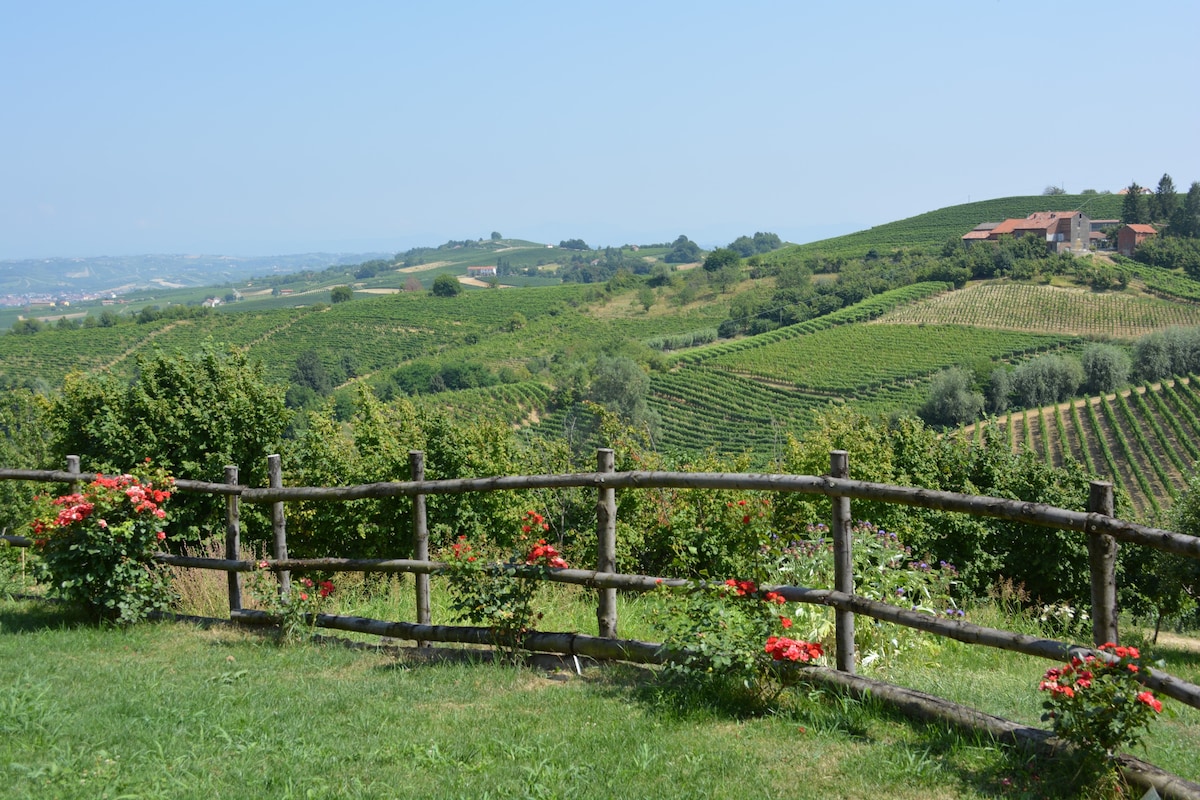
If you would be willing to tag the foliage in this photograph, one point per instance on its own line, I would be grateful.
(1133, 206)
(746, 246)
(501, 596)
(952, 400)
(1046, 379)
(574, 244)
(97, 545)
(192, 414)
(1052, 564)
(1173, 351)
(446, 285)
(730, 632)
(1106, 368)
(885, 570)
(1170, 252)
(341, 294)
(1164, 202)
(1097, 704)
(621, 385)
(720, 259)
(683, 251)
(296, 611)
(24, 444)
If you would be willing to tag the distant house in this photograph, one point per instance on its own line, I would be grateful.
(488, 271)
(211, 302)
(1130, 236)
(1063, 231)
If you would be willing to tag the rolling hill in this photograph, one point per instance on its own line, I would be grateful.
(738, 395)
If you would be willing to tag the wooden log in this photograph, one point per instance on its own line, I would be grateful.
(233, 538)
(420, 535)
(1102, 564)
(630, 650)
(911, 703)
(606, 546)
(970, 633)
(279, 524)
(995, 507)
(919, 705)
(958, 630)
(843, 565)
(73, 468)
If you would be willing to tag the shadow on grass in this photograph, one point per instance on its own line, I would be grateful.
(23, 615)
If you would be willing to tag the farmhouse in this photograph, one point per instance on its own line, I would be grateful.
(1130, 236)
(1063, 231)
(487, 271)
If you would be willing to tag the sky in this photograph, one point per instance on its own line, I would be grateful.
(269, 128)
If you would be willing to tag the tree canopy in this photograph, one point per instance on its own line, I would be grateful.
(446, 285)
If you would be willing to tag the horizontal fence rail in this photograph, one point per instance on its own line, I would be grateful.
(1020, 511)
(1097, 524)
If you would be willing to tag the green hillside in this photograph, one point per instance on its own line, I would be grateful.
(933, 229)
(872, 336)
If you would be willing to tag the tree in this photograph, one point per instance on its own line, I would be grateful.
(189, 414)
(412, 284)
(1052, 191)
(721, 258)
(446, 285)
(952, 401)
(496, 236)
(1133, 206)
(683, 251)
(574, 244)
(1164, 201)
(1186, 219)
(341, 294)
(1046, 379)
(27, 326)
(1105, 368)
(621, 385)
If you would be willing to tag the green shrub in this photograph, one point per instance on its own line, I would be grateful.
(97, 545)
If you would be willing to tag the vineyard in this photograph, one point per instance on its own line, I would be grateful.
(1145, 440)
(1047, 309)
(933, 229)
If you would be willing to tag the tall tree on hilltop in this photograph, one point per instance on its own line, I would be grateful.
(1164, 201)
(1186, 219)
(1133, 207)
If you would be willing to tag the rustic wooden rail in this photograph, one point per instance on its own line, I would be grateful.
(1102, 531)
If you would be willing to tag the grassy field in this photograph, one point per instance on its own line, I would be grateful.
(179, 711)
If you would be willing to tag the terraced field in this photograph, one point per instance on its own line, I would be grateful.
(1047, 309)
(1145, 440)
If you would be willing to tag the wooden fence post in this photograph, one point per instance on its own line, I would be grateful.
(420, 534)
(606, 546)
(279, 523)
(233, 538)
(1102, 561)
(843, 563)
(73, 466)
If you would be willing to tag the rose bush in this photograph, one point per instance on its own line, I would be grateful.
(1097, 703)
(499, 595)
(97, 545)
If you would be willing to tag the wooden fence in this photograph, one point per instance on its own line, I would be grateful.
(1102, 530)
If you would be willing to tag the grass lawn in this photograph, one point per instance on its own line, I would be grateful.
(176, 710)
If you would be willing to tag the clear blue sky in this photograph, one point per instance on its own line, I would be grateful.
(260, 128)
